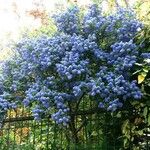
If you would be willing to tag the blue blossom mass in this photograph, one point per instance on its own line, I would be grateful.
(89, 56)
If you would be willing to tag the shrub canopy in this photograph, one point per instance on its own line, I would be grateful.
(91, 56)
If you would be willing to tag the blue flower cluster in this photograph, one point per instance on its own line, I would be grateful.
(113, 88)
(42, 52)
(123, 25)
(146, 55)
(4, 103)
(123, 56)
(93, 21)
(129, 30)
(89, 56)
(68, 22)
(71, 66)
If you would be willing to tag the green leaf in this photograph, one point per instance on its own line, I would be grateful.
(126, 142)
(145, 70)
(125, 126)
(140, 132)
(118, 115)
(148, 120)
(145, 112)
(137, 72)
(138, 64)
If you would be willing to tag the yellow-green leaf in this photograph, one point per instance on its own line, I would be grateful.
(141, 77)
(145, 70)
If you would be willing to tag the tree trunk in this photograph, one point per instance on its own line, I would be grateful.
(73, 130)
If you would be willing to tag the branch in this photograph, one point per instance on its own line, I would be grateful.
(78, 103)
(82, 125)
(18, 119)
(88, 112)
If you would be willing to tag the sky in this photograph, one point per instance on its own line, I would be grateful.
(15, 18)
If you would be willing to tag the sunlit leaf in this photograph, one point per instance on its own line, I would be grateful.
(147, 60)
(141, 77)
(145, 70)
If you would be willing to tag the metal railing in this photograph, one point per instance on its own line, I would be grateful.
(20, 131)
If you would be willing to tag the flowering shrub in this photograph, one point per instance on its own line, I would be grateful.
(89, 57)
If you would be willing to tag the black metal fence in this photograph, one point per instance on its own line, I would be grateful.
(20, 131)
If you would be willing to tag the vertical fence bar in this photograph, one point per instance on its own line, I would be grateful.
(8, 131)
(130, 144)
(148, 129)
(34, 130)
(61, 139)
(41, 131)
(21, 127)
(90, 119)
(84, 128)
(98, 134)
(114, 138)
(47, 140)
(14, 140)
(1, 133)
(55, 135)
(105, 133)
(28, 132)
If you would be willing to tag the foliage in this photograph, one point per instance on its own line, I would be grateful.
(90, 58)
(48, 29)
(136, 128)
